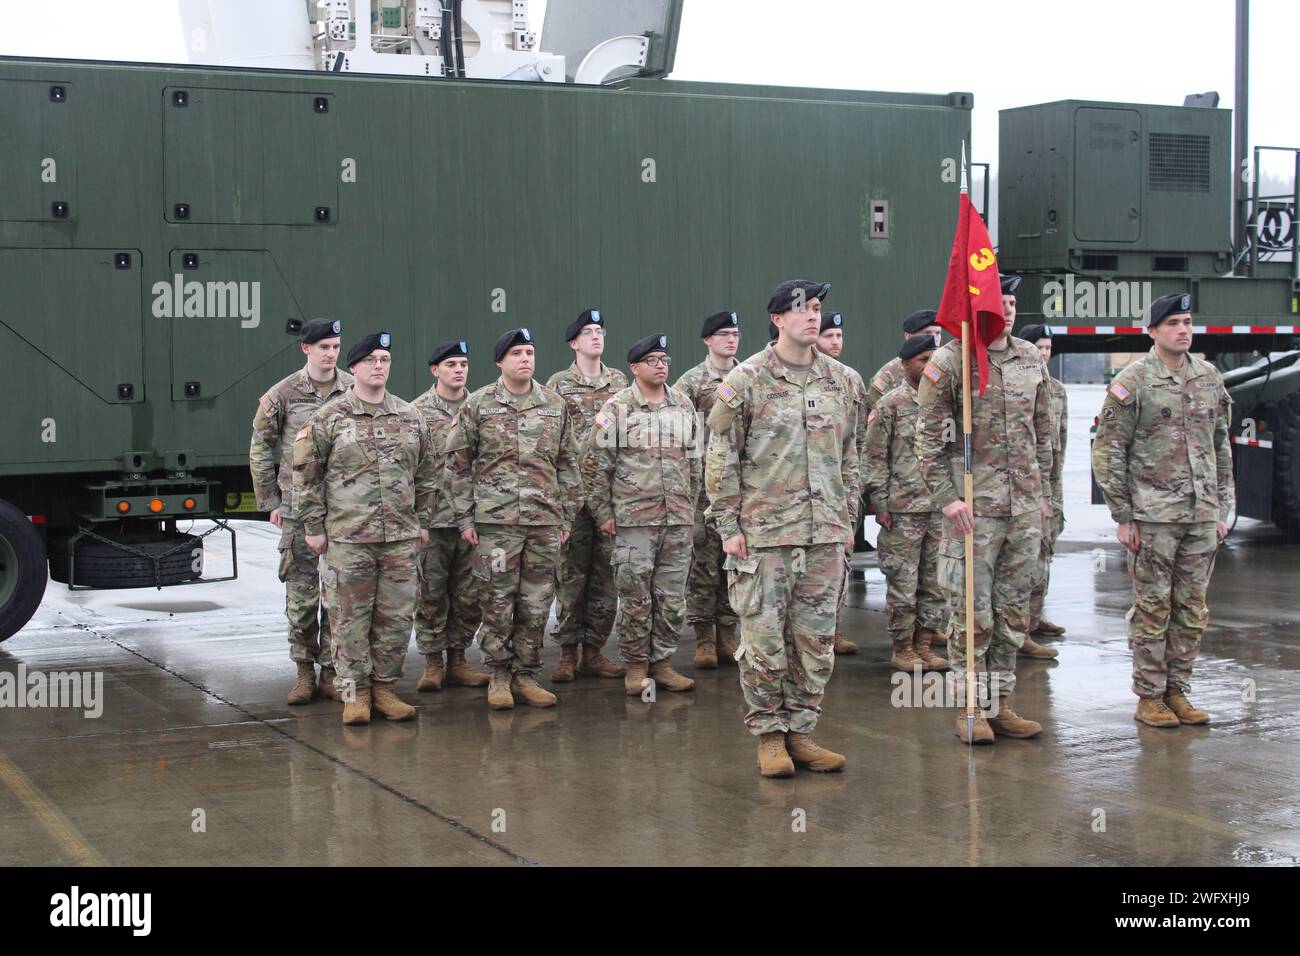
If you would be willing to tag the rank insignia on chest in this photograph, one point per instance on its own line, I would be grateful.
(934, 374)
(812, 403)
(728, 395)
(1119, 391)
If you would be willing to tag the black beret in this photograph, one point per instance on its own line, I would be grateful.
(719, 320)
(590, 317)
(510, 340)
(1010, 284)
(914, 345)
(832, 320)
(379, 340)
(1175, 303)
(783, 296)
(1032, 333)
(318, 329)
(449, 350)
(918, 320)
(651, 343)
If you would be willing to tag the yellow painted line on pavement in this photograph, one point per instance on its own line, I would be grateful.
(48, 815)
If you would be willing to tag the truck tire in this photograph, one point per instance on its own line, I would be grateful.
(101, 565)
(1286, 465)
(22, 570)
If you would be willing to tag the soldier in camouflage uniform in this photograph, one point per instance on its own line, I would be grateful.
(1011, 447)
(447, 613)
(1040, 336)
(911, 529)
(641, 476)
(513, 471)
(365, 477)
(891, 375)
(830, 342)
(585, 598)
(282, 411)
(782, 479)
(1164, 463)
(708, 609)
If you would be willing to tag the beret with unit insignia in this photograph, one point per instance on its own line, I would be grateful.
(318, 329)
(1175, 303)
(717, 322)
(792, 292)
(371, 343)
(658, 342)
(918, 320)
(509, 340)
(454, 349)
(832, 320)
(1010, 284)
(915, 345)
(589, 317)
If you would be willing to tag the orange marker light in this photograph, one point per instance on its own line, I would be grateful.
(156, 505)
(189, 504)
(123, 507)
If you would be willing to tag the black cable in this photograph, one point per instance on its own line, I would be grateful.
(460, 40)
(444, 42)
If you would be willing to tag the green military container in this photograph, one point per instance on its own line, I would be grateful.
(162, 226)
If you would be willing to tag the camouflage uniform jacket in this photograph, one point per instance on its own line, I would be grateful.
(585, 398)
(782, 464)
(890, 376)
(1060, 410)
(438, 415)
(700, 385)
(365, 478)
(1011, 430)
(1162, 451)
(641, 465)
(890, 471)
(281, 412)
(513, 459)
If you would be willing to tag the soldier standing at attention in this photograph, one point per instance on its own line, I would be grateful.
(830, 341)
(282, 411)
(1040, 336)
(1164, 464)
(708, 610)
(585, 598)
(1011, 445)
(911, 530)
(366, 476)
(513, 471)
(447, 613)
(641, 475)
(782, 479)
(891, 375)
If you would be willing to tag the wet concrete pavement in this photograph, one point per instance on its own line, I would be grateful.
(197, 760)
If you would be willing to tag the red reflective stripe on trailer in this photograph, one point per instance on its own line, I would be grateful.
(1252, 442)
(1214, 330)
(37, 519)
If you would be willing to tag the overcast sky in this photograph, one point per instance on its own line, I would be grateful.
(1009, 53)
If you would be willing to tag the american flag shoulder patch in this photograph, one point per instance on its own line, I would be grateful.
(934, 373)
(302, 432)
(1119, 391)
(604, 420)
(267, 405)
(728, 395)
(872, 417)
(878, 384)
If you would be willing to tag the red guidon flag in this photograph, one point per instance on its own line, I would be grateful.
(973, 291)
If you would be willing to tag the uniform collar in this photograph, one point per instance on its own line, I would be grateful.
(1192, 369)
(601, 379)
(302, 381)
(389, 404)
(433, 398)
(712, 373)
(643, 402)
(504, 396)
(820, 367)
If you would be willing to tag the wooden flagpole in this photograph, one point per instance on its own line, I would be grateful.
(969, 490)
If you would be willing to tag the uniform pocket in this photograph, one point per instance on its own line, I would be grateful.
(744, 585)
(286, 559)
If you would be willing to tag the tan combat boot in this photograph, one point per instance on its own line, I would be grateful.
(635, 676)
(1048, 628)
(706, 647)
(667, 678)
(921, 644)
(843, 645)
(434, 672)
(325, 686)
(567, 669)
(727, 644)
(1177, 701)
(940, 638)
(773, 760)
(1036, 651)
(983, 733)
(499, 696)
(387, 704)
(596, 664)
(356, 711)
(459, 673)
(1155, 713)
(1008, 723)
(904, 658)
(808, 754)
(526, 690)
(305, 687)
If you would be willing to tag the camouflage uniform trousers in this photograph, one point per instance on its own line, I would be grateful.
(650, 568)
(371, 590)
(706, 584)
(786, 598)
(1171, 573)
(585, 598)
(515, 566)
(1008, 563)
(447, 614)
(1052, 529)
(309, 619)
(909, 560)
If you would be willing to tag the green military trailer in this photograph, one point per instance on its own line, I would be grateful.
(164, 230)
